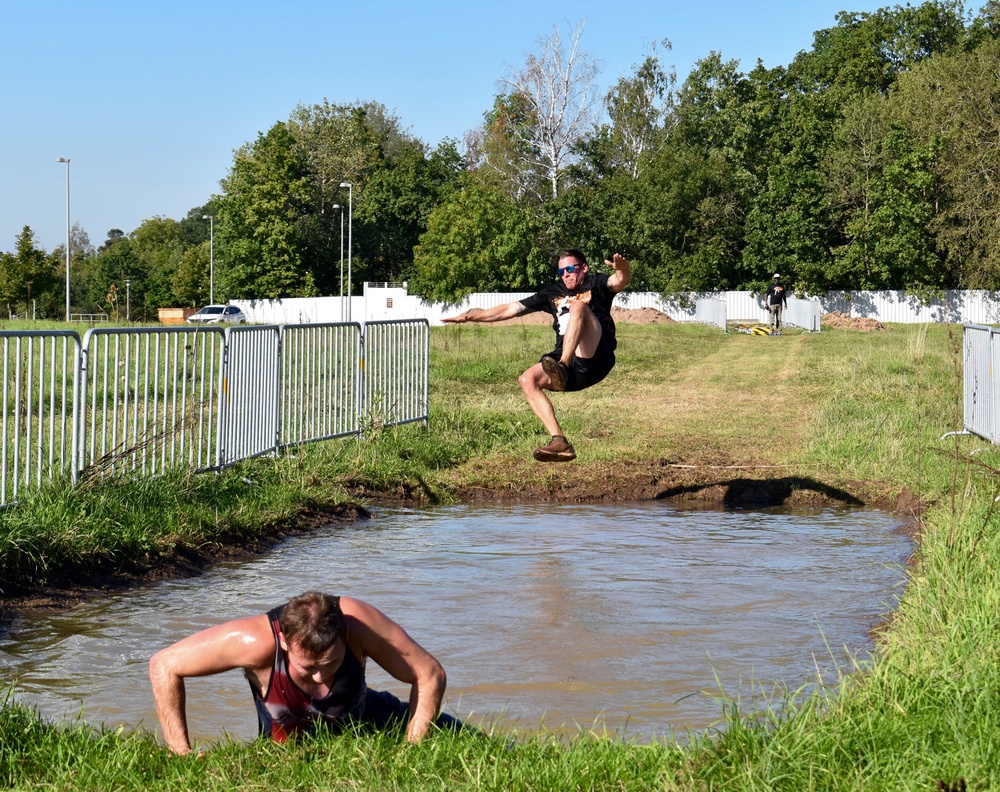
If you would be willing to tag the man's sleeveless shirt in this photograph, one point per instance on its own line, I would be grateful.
(285, 709)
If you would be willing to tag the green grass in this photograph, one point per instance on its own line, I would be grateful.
(77, 758)
(864, 412)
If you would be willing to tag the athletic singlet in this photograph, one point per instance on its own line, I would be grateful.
(285, 709)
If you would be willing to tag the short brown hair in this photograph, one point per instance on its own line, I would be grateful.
(313, 621)
(574, 253)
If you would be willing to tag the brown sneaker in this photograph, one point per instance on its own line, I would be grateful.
(558, 373)
(559, 450)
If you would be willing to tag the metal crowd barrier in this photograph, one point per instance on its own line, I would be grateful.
(321, 382)
(149, 399)
(37, 430)
(981, 391)
(396, 371)
(141, 400)
(250, 388)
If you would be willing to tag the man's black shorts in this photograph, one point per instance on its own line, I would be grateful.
(589, 371)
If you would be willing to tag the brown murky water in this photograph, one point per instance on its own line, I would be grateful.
(631, 617)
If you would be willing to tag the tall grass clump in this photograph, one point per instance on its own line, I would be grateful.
(923, 714)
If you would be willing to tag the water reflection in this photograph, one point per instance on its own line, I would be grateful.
(556, 615)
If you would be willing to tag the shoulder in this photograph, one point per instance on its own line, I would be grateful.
(359, 614)
(600, 283)
(367, 626)
(252, 631)
(240, 643)
(248, 630)
(551, 290)
(258, 637)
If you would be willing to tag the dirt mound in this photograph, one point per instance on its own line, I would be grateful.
(842, 321)
(643, 316)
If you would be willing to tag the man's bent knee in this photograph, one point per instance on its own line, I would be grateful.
(529, 381)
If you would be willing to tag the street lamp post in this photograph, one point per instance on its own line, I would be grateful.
(350, 230)
(66, 160)
(128, 302)
(341, 208)
(211, 257)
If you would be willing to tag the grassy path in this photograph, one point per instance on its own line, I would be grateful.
(861, 411)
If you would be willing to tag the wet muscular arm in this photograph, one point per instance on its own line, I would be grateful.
(385, 642)
(243, 643)
(495, 314)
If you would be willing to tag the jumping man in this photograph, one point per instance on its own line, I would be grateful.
(580, 306)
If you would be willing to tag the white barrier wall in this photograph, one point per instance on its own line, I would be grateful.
(711, 310)
(386, 302)
(954, 307)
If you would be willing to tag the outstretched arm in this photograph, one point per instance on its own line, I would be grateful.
(495, 314)
(622, 275)
(381, 639)
(243, 643)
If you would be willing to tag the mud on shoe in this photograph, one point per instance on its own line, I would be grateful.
(559, 450)
(556, 371)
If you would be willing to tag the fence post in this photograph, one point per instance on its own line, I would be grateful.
(79, 425)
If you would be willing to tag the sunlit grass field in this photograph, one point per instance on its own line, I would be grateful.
(866, 412)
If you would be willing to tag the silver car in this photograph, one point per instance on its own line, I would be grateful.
(218, 314)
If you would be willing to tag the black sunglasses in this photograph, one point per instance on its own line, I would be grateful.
(570, 269)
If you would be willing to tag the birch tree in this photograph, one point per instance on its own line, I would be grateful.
(638, 106)
(556, 94)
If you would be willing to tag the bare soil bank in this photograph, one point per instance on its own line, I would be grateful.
(715, 480)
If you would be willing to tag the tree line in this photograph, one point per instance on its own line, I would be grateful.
(868, 162)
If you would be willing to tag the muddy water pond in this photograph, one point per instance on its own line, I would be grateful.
(633, 617)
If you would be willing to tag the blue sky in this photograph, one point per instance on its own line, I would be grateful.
(149, 99)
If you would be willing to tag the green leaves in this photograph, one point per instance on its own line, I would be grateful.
(25, 275)
(262, 199)
(477, 241)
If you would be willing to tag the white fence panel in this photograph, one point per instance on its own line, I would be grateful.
(392, 302)
(711, 310)
(803, 313)
(320, 381)
(955, 307)
(743, 305)
(39, 395)
(149, 399)
(485, 300)
(302, 310)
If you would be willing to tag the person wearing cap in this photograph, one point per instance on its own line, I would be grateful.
(580, 306)
(775, 299)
